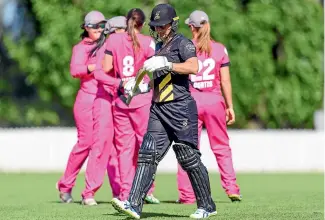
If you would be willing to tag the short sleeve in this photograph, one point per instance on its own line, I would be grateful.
(151, 48)
(187, 49)
(109, 47)
(225, 58)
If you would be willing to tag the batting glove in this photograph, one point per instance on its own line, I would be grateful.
(157, 63)
(129, 85)
(142, 88)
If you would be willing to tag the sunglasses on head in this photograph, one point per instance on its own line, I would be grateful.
(96, 26)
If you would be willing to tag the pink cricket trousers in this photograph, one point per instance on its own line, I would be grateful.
(130, 127)
(113, 172)
(212, 113)
(93, 117)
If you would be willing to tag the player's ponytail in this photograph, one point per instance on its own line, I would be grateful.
(203, 40)
(132, 34)
(135, 20)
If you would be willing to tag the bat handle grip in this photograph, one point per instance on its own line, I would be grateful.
(128, 100)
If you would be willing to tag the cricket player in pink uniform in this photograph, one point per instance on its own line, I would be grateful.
(82, 66)
(114, 25)
(214, 110)
(103, 150)
(105, 119)
(125, 55)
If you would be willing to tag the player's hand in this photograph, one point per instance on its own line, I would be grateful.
(142, 87)
(230, 116)
(91, 67)
(157, 63)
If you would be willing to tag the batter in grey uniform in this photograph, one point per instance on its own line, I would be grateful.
(173, 117)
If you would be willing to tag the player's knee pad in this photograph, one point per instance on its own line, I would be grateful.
(187, 157)
(147, 152)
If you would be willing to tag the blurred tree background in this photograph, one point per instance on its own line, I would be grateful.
(275, 47)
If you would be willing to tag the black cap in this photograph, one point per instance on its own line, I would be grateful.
(162, 14)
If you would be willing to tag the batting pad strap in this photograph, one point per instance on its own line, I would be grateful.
(147, 152)
(147, 156)
(186, 156)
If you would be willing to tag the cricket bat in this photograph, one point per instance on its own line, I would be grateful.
(139, 77)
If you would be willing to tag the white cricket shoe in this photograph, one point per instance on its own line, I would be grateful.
(124, 207)
(201, 213)
(89, 202)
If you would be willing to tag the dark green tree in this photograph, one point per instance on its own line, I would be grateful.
(276, 51)
(275, 46)
(46, 59)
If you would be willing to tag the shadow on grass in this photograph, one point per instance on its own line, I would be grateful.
(149, 215)
(103, 202)
(79, 202)
(162, 202)
(174, 202)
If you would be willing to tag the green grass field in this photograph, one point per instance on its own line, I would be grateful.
(266, 196)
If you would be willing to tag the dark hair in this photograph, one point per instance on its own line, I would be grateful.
(84, 34)
(99, 43)
(134, 19)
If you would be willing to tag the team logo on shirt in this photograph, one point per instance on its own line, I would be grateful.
(168, 48)
(157, 16)
(185, 123)
(190, 47)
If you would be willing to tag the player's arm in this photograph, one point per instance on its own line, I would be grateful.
(108, 58)
(108, 61)
(190, 66)
(227, 92)
(225, 78)
(102, 76)
(78, 68)
(187, 52)
(106, 79)
(226, 85)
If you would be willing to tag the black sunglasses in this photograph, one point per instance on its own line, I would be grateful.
(96, 26)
